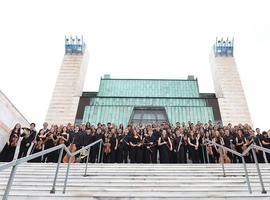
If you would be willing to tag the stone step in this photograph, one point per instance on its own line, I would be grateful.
(183, 189)
(136, 195)
(136, 181)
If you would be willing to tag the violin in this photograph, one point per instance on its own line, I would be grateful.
(72, 149)
(39, 145)
(210, 150)
(61, 140)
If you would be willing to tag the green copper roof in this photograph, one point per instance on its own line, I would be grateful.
(193, 114)
(99, 101)
(148, 88)
(117, 98)
(104, 114)
(121, 114)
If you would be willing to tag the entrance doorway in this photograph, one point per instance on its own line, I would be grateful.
(148, 114)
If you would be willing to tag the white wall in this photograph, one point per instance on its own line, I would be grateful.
(9, 116)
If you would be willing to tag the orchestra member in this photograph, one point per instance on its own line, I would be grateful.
(193, 143)
(135, 147)
(165, 147)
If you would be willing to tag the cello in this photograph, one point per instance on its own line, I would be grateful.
(72, 148)
(107, 146)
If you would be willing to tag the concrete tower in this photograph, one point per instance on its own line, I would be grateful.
(227, 83)
(69, 84)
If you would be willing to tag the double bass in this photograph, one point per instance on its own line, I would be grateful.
(72, 148)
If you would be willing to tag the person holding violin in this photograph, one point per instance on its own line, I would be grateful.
(165, 147)
(7, 154)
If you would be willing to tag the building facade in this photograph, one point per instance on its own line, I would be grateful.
(123, 101)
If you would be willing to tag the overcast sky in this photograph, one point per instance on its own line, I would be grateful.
(131, 39)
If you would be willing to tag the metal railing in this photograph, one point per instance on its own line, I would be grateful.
(61, 147)
(252, 147)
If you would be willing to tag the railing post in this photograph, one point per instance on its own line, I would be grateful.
(222, 161)
(207, 156)
(203, 147)
(99, 152)
(65, 183)
(10, 180)
(57, 170)
(264, 156)
(259, 171)
(87, 160)
(246, 174)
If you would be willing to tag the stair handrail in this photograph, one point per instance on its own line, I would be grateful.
(207, 141)
(252, 148)
(60, 147)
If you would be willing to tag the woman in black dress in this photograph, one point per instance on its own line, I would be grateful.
(7, 154)
(217, 150)
(114, 144)
(179, 144)
(149, 143)
(165, 147)
(239, 142)
(193, 142)
(135, 147)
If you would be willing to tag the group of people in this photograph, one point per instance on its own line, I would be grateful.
(151, 143)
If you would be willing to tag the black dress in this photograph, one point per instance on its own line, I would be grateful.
(113, 152)
(179, 149)
(7, 153)
(164, 151)
(150, 149)
(120, 148)
(135, 152)
(194, 153)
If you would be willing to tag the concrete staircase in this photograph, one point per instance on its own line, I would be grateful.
(137, 181)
